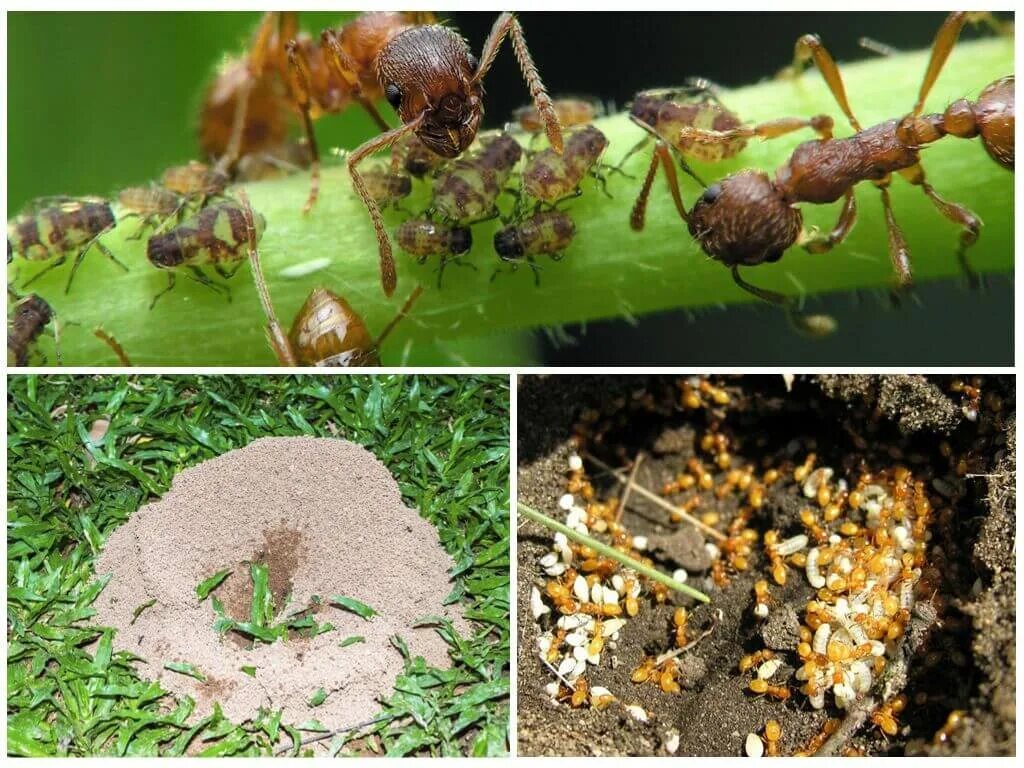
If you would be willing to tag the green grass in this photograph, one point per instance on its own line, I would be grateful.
(446, 440)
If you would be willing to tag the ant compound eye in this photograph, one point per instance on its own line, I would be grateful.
(711, 193)
(393, 95)
(473, 61)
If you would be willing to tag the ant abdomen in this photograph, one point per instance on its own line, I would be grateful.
(993, 113)
(742, 220)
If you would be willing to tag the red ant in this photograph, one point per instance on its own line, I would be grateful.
(748, 218)
(425, 71)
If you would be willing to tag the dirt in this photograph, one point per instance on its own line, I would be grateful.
(965, 660)
(326, 518)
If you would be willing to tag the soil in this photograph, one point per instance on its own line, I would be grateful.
(326, 518)
(963, 660)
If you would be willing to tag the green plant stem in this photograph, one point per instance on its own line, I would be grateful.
(614, 554)
(609, 270)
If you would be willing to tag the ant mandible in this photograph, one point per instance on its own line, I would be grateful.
(425, 71)
(748, 219)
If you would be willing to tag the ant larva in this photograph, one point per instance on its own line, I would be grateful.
(550, 177)
(424, 238)
(468, 190)
(549, 232)
(53, 228)
(29, 318)
(327, 331)
(215, 236)
(749, 218)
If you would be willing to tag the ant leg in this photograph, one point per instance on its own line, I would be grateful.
(345, 68)
(254, 64)
(171, 280)
(682, 160)
(810, 48)
(808, 325)
(899, 253)
(633, 150)
(403, 312)
(508, 24)
(969, 222)
(81, 257)
(772, 129)
(299, 79)
(661, 153)
(388, 278)
(942, 46)
(847, 218)
(639, 212)
(114, 345)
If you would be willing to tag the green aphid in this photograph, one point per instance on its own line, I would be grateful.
(53, 228)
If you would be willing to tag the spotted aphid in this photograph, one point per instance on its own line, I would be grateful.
(153, 204)
(386, 187)
(54, 228)
(571, 112)
(549, 232)
(550, 177)
(215, 236)
(468, 190)
(424, 238)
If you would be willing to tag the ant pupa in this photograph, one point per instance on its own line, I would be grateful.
(51, 229)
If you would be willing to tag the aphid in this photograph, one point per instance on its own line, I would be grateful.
(748, 218)
(772, 734)
(953, 722)
(550, 176)
(764, 688)
(411, 154)
(29, 318)
(549, 232)
(467, 191)
(435, 84)
(273, 163)
(570, 112)
(115, 346)
(51, 229)
(195, 180)
(152, 204)
(215, 236)
(387, 187)
(885, 716)
(424, 238)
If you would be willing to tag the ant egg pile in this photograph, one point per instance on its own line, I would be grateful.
(866, 552)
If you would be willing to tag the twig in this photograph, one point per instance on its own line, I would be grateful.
(329, 734)
(629, 487)
(614, 554)
(658, 500)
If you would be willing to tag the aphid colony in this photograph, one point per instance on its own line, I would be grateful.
(861, 543)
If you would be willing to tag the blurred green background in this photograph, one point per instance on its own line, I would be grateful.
(97, 101)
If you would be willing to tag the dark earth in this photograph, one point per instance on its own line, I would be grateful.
(964, 659)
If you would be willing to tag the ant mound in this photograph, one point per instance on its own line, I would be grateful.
(297, 521)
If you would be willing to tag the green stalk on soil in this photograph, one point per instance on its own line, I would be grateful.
(609, 271)
(614, 554)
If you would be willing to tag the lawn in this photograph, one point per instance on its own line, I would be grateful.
(444, 438)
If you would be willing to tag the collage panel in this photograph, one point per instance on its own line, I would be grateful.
(245, 189)
(748, 565)
(255, 565)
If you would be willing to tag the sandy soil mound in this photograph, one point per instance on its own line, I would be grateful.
(327, 518)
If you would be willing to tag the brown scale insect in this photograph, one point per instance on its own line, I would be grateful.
(327, 331)
(28, 320)
(429, 76)
(570, 111)
(748, 218)
(53, 228)
(467, 192)
(215, 236)
(549, 232)
(550, 176)
(424, 238)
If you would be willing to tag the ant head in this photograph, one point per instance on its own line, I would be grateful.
(164, 251)
(744, 220)
(428, 73)
(461, 240)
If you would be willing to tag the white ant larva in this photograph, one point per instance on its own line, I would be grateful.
(597, 594)
(791, 545)
(566, 666)
(576, 639)
(551, 689)
(680, 575)
(575, 463)
(817, 478)
(821, 635)
(672, 742)
(579, 653)
(580, 589)
(618, 582)
(548, 560)
(769, 668)
(639, 543)
(813, 574)
(612, 626)
(637, 712)
(566, 501)
(754, 747)
(537, 606)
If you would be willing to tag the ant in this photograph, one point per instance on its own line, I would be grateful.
(52, 228)
(749, 219)
(424, 70)
(327, 331)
